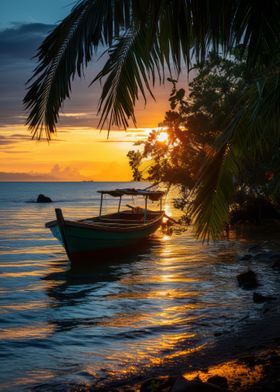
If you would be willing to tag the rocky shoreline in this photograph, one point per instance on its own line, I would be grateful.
(244, 360)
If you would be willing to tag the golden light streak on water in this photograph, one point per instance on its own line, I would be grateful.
(32, 331)
(26, 306)
(150, 355)
(186, 352)
(171, 293)
(111, 320)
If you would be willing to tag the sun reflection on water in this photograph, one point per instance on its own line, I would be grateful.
(108, 321)
(34, 331)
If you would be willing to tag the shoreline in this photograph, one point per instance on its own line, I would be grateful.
(249, 359)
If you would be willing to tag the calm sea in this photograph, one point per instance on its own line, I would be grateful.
(60, 327)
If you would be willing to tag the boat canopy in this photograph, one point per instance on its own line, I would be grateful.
(150, 194)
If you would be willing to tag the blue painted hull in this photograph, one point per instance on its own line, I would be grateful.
(83, 241)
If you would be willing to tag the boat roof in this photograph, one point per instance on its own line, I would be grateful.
(151, 194)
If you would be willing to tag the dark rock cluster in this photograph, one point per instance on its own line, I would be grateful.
(248, 279)
(181, 384)
(268, 363)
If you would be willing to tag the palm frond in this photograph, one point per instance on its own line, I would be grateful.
(256, 27)
(213, 194)
(257, 123)
(130, 68)
(251, 132)
(65, 53)
(179, 29)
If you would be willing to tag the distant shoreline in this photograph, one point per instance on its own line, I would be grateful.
(70, 182)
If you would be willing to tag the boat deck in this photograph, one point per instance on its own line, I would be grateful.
(123, 218)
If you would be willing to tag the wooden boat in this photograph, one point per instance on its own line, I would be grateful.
(106, 234)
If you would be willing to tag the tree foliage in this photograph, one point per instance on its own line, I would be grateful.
(198, 155)
(193, 123)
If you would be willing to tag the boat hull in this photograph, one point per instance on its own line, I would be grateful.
(86, 242)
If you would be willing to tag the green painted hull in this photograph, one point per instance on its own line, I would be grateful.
(82, 243)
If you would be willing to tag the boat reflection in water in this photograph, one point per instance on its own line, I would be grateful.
(104, 269)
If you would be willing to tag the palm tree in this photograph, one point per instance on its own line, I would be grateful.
(142, 39)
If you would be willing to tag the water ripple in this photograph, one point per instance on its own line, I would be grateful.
(63, 326)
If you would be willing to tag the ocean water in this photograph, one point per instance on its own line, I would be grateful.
(61, 327)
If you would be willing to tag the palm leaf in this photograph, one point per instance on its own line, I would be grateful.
(251, 133)
(65, 53)
(130, 68)
(179, 29)
(213, 194)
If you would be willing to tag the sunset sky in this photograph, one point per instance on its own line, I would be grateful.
(79, 151)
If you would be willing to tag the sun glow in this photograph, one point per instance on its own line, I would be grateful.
(161, 133)
(162, 137)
